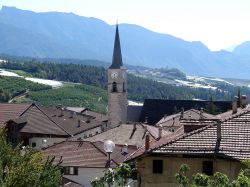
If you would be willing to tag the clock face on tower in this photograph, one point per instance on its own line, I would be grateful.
(114, 75)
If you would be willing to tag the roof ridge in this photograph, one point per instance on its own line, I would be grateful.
(52, 120)
(235, 115)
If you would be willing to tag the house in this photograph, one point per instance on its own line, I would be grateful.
(10, 111)
(40, 127)
(83, 161)
(155, 109)
(173, 122)
(131, 134)
(216, 147)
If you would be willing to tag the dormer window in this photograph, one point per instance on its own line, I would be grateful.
(114, 87)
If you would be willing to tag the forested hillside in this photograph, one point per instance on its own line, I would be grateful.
(138, 88)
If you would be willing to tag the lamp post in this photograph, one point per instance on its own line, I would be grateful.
(109, 147)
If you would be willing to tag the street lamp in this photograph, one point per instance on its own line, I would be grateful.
(109, 147)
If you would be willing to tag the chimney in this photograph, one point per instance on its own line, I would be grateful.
(62, 109)
(88, 119)
(147, 141)
(160, 132)
(124, 150)
(182, 113)
(218, 131)
(146, 120)
(134, 126)
(234, 107)
(79, 123)
(201, 113)
(244, 101)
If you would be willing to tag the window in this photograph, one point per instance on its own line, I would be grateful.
(158, 166)
(207, 167)
(69, 170)
(114, 87)
(33, 144)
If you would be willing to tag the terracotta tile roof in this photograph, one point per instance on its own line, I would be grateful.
(234, 143)
(86, 111)
(131, 134)
(10, 111)
(155, 109)
(85, 154)
(69, 121)
(37, 122)
(173, 122)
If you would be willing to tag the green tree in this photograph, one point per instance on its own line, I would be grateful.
(116, 176)
(24, 167)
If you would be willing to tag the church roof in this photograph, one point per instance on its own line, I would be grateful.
(117, 55)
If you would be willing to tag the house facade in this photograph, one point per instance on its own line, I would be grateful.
(218, 147)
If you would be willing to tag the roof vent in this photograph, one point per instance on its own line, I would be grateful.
(62, 109)
(88, 119)
(147, 144)
(234, 107)
(79, 123)
(160, 132)
(218, 131)
(124, 150)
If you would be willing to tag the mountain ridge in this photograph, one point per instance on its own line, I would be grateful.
(67, 35)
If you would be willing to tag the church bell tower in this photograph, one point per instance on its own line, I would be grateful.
(117, 87)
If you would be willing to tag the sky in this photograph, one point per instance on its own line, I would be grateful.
(219, 24)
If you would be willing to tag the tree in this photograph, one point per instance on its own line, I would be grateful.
(217, 180)
(25, 167)
(117, 176)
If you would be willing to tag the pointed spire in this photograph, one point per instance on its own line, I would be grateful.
(117, 55)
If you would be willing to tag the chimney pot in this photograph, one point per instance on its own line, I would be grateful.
(234, 107)
(219, 131)
(147, 141)
(160, 132)
(134, 127)
(79, 123)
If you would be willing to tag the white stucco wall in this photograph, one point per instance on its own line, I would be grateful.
(86, 175)
(40, 144)
(88, 133)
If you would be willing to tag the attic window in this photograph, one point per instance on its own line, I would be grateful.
(157, 166)
(207, 167)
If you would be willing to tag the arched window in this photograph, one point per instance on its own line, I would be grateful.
(114, 87)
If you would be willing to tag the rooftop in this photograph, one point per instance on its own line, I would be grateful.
(85, 154)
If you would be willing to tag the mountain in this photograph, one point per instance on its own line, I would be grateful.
(66, 35)
(243, 49)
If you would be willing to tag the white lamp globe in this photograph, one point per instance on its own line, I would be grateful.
(109, 146)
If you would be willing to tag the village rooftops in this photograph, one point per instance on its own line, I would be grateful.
(35, 121)
(131, 134)
(86, 154)
(228, 138)
(72, 122)
(154, 109)
(175, 121)
(11, 111)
